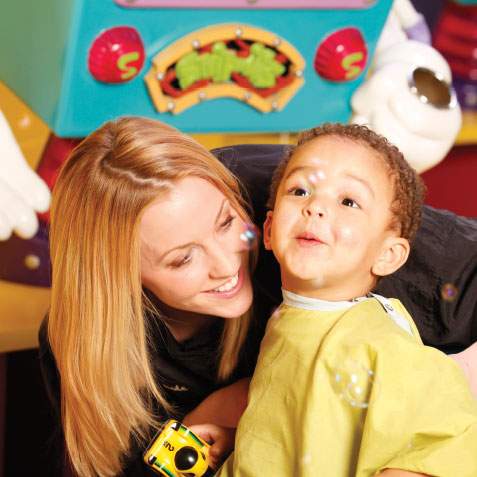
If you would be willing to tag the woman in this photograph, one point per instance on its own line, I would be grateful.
(150, 244)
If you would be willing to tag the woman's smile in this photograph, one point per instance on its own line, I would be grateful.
(230, 288)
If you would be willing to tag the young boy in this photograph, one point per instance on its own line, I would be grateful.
(343, 384)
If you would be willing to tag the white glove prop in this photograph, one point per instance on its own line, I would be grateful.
(408, 100)
(407, 14)
(15, 214)
(22, 191)
(403, 23)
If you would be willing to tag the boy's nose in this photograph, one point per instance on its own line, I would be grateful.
(314, 207)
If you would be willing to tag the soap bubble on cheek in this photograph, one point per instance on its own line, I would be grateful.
(448, 292)
(251, 236)
(345, 232)
(354, 383)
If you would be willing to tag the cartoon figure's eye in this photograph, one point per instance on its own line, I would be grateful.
(185, 458)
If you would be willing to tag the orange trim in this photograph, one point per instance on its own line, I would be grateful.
(165, 100)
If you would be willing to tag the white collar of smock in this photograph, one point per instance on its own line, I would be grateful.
(303, 302)
(299, 301)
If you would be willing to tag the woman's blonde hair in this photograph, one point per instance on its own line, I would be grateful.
(97, 326)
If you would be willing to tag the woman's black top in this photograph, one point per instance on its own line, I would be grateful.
(444, 253)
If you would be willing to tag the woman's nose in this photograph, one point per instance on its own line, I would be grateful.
(315, 206)
(224, 261)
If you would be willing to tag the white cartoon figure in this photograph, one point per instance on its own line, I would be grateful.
(22, 191)
(408, 97)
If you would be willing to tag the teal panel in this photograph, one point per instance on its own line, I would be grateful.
(75, 103)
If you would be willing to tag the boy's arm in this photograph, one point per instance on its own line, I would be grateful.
(223, 407)
(467, 359)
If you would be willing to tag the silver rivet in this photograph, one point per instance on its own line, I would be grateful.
(160, 76)
(196, 44)
(170, 105)
(238, 32)
(275, 105)
(299, 73)
(247, 95)
(277, 41)
(202, 96)
(32, 262)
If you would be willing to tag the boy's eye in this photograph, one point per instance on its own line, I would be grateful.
(349, 202)
(299, 191)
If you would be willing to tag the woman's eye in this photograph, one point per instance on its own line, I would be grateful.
(299, 191)
(349, 203)
(228, 222)
(181, 261)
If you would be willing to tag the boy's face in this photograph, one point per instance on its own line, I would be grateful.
(330, 225)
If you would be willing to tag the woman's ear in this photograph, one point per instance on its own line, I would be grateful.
(392, 257)
(267, 230)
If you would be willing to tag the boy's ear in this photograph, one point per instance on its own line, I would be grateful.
(393, 256)
(267, 230)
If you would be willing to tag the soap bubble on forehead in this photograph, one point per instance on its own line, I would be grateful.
(312, 179)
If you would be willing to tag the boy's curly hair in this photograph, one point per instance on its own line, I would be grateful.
(409, 190)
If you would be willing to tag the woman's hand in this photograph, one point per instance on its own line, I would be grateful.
(467, 359)
(222, 441)
(223, 407)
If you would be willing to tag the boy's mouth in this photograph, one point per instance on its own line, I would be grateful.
(308, 239)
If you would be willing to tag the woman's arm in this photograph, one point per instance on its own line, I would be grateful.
(467, 359)
(223, 407)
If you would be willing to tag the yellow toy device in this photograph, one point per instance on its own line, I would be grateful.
(175, 451)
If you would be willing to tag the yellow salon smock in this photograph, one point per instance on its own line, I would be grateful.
(347, 392)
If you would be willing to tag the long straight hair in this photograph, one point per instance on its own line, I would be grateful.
(97, 327)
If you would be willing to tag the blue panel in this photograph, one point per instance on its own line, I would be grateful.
(82, 103)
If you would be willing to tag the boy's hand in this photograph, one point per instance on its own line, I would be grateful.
(220, 438)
